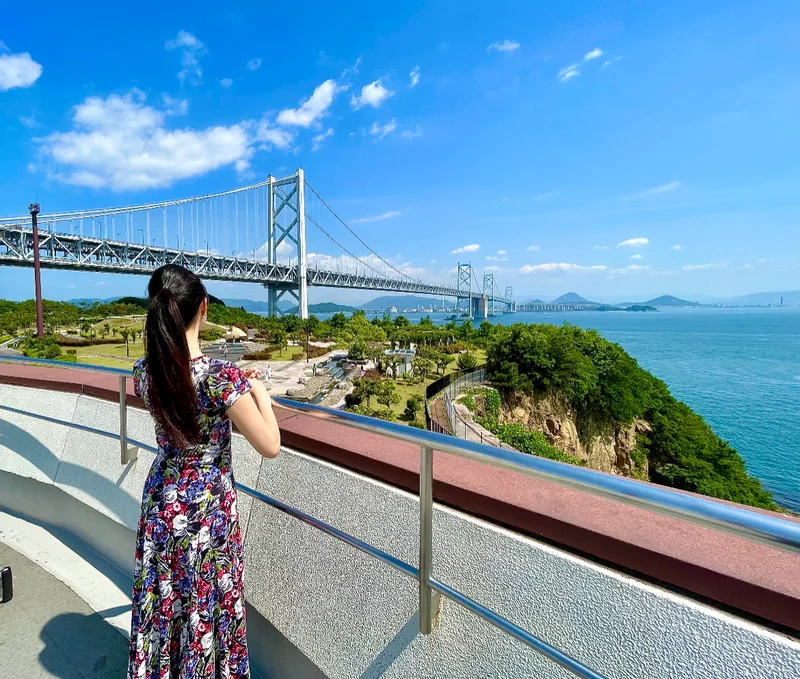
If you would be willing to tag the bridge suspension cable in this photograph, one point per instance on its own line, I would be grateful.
(344, 224)
(380, 273)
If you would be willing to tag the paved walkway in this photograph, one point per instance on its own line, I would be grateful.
(47, 630)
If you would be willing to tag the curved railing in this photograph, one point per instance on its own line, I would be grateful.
(745, 523)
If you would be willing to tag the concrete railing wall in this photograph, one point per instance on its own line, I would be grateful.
(342, 614)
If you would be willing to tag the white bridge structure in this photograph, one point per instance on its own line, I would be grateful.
(255, 234)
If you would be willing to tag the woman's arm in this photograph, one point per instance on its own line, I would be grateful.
(252, 414)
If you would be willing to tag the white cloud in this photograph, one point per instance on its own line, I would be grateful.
(704, 267)
(491, 268)
(3, 47)
(373, 95)
(633, 243)
(18, 70)
(632, 269)
(273, 136)
(376, 218)
(414, 75)
(657, 191)
(254, 64)
(381, 131)
(533, 248)
(352, 70)
(568, 72)
(466, 248)
(433, 261)
(747, 267)
(636, 257)
(175, 107)
(226, 82)
(502, 252)
(319, 138)
(676, 247)
(29, 121)
(600, 247)
(490, 258)
(549, 194)
(594, 54)
(608, 62)
(311, 109)
(411, 134)
(503, 46)
(191, 50)
(122, 143)
(551, 267)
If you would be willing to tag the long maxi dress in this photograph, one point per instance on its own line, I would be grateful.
(188, 617)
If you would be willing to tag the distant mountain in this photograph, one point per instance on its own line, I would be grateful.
(247, 304)
(571, 298)
(669, 300)
(790, 298)
(325, 308)
(403, 302)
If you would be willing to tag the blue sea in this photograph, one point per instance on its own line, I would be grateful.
(738, 368)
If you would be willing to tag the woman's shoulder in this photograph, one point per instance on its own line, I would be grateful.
(139, 366)
(215, 367)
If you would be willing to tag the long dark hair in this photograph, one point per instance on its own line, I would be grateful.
(176, 295)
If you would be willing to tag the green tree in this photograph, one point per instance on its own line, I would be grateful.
(386, 393)
(442, 360)
(106, 329)
(125, 334)
(366, 389)
(278, 336)
(357, 350)
(413, 406)
(421, 367)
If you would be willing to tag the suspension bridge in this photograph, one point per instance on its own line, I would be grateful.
(253, 234)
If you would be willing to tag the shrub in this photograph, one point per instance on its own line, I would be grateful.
(316, 352)
(211, 333)
(65, 341)
(467, 361)
(532, 442)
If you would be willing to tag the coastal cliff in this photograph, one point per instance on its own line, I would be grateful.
(605, 446)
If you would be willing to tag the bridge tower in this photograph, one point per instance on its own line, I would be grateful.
(510, 299)
(488, 291)
(287, 224)
(464, 289)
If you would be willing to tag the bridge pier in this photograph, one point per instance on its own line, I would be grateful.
(480, 307)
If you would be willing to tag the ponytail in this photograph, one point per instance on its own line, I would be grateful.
(175, 298)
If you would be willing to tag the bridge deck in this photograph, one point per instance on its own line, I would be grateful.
(47, 630)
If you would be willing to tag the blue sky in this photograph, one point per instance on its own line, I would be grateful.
(617, 149)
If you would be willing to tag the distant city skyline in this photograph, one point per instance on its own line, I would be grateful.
(620, 151)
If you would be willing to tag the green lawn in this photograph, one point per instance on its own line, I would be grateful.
(105, 361)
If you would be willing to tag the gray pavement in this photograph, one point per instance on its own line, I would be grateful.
(47, 630)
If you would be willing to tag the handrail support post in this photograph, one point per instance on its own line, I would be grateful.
(126, 452)
(425, 539)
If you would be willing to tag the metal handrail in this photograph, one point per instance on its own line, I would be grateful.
(749, 524)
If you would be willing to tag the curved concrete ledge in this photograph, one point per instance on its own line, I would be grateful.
(345, 615)
(751, 579)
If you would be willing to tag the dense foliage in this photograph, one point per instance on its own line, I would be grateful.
(603, 384)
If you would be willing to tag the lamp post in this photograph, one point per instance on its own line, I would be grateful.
(33, 208)
(308, 331)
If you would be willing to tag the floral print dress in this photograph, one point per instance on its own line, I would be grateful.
(188, 598)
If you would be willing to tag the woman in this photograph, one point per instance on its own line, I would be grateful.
(188, 606)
